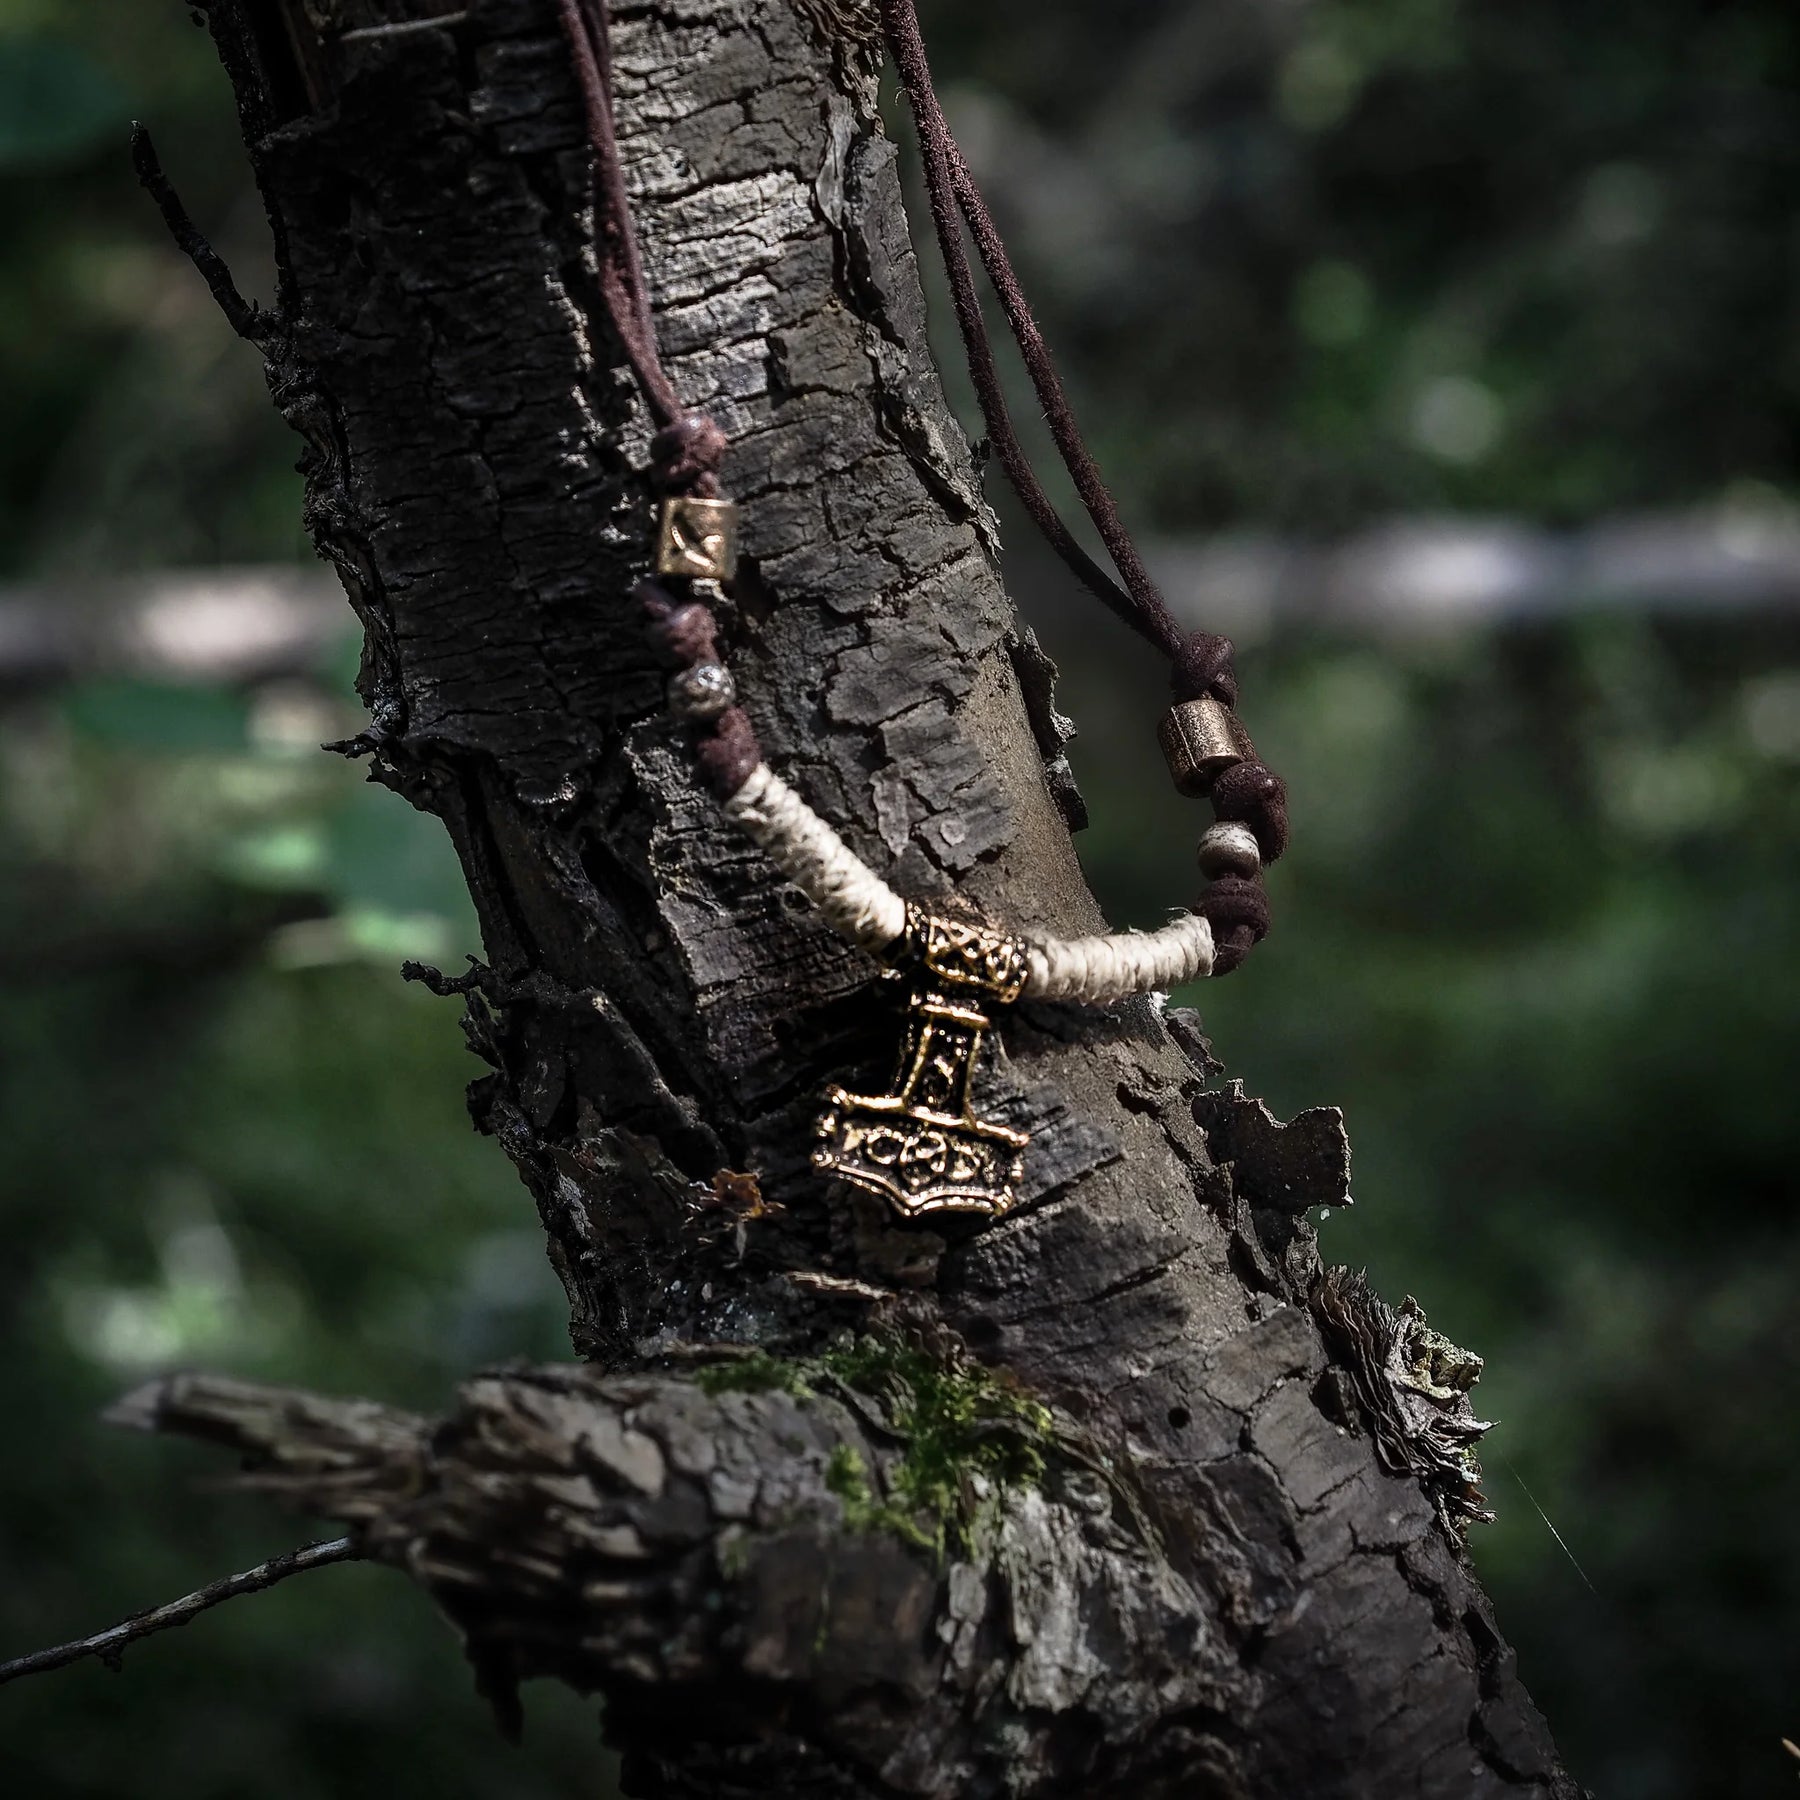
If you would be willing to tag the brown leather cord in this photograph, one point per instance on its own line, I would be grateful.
(684, 633)
(1202, 659)
(946, 178)
(955, 200)
(1249, 793)
(688, 448)
(1238, 912)
(622, 284)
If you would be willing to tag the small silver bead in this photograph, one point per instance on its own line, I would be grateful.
(701, 691)
(1229, 849)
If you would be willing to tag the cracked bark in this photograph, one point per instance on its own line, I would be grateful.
(1211, 1584)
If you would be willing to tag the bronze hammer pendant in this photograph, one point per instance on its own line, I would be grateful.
(920, 1146)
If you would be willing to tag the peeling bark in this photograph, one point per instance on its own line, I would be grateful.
(1209, 1583)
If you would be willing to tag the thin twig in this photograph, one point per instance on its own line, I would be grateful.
(111, 1645)
(403, 27)
(243, 316)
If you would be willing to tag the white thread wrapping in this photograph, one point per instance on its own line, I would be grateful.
(1098, 969)
(856, 902)
(859, 905)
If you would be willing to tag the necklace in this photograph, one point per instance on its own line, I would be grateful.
(921, 1145)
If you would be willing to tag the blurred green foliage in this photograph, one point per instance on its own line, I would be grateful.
(140, 434)
(1304, 266)
(224, 1113)
(225, 1116)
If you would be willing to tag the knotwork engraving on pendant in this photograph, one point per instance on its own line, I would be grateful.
(921, 1147)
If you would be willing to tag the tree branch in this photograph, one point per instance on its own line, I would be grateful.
(110, 1645)
(244, 317)
(813, 1536)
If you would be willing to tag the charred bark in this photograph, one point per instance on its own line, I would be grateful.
(1090, 1501)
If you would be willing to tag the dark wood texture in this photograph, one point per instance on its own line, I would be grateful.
(1212, 1584)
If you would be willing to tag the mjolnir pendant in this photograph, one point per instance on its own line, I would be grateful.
(921, 1147)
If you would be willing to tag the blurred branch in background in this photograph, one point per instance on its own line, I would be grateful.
(1450, 573)
(247, 625)
(224, 625)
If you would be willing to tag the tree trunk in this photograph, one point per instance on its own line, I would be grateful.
(1119, 1495)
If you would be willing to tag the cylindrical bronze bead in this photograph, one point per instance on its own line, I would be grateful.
(1201, 739)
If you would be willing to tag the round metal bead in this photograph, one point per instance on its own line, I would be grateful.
(701, 691)
(1229, 849)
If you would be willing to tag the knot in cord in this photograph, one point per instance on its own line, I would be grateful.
(1238, 912)
(1254, 796)
(1203, 667)
(685, 456)
(683, 632)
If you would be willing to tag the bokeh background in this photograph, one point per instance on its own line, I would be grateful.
(1448, 350)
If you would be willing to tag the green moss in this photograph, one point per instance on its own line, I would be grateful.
(958, 1423)
(847, 1476)
(965, 1434)
(756, 1373)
